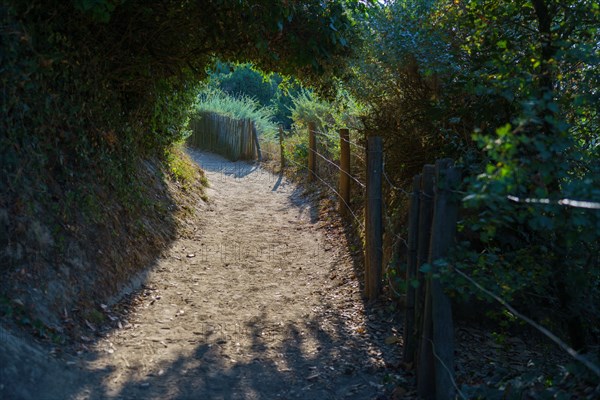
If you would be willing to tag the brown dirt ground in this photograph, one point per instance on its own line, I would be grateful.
(260, 301)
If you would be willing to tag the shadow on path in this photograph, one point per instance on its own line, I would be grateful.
(282, 328)
(320, 358)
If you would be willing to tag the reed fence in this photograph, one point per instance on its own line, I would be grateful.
(232, 138)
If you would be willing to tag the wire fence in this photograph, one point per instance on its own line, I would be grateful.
(437, 219)
(356, 218)
(589, 205)
(572, 352)
(373, 202)
(334, 138)
(359, 183)
(329, 170)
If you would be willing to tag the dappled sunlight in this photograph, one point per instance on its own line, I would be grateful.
(240, 311)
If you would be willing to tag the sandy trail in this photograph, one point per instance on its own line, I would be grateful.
(259, 304)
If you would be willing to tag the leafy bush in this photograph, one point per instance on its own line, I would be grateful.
(511, 91)
(244, 80)
(269, 89)
(328, 116)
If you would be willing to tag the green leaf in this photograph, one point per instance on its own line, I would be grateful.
(504, 130)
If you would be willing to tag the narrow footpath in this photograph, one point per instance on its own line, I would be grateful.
(261, 302)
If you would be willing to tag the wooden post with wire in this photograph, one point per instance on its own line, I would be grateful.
(442, 237)
(312, 148)
(345, 172)
(410, 338)
(374, 219)
(423, 324)
(423, 239)
(281, 149)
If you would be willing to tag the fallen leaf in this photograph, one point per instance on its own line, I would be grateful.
(18, 302)
(392, 339)
(89, 325)
(375, 385)
(313, 377)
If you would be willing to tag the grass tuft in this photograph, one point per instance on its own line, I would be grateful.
(238, 107)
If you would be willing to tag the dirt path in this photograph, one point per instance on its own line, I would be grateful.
(258, 304)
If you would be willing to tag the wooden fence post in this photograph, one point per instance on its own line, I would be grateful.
(374, 221)
(312, 148)
(244, 137)
(281, 149)
(423, 237)
(410, 338)
(214, 134)
(207, 138)
(211, 126)
(442, 237)
(426, 363)
(423, 324)
(345, 172)
(255, 138)
(248, 144)
(222, 142)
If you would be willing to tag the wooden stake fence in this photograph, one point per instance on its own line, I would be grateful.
(443, 230)
(234, 139)
(422, 306)
(429, 328)
(256, 143)
(410, 340)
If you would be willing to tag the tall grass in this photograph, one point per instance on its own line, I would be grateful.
(238, 107)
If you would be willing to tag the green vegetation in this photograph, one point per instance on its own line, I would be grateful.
(511, 91)
(270, 90)
(244, 89)
(237, 107)
(241, 91)
(328, 115)
(90, 89)
(342, 111)
(182, 169)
